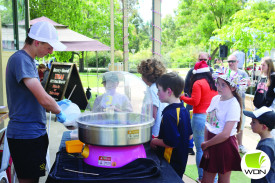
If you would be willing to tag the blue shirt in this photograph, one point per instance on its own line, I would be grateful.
(27, 116)
(175, 130)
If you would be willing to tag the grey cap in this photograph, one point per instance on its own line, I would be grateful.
(110, 77)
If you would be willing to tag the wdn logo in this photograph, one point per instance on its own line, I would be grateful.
(255, 164)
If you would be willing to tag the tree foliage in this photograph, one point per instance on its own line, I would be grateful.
(251, 27)
(90, 18)
(184, 35)
(198, 19)
(6, 12)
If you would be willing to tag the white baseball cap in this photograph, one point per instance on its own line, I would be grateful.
(45, 32)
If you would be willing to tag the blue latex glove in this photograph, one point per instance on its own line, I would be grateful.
(61, 117)
(64, 101)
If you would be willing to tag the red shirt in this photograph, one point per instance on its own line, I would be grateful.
(201, 96)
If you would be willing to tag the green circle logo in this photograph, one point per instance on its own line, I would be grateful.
(255, 164)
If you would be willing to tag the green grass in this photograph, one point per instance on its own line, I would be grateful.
(92, 79)
(236, 176)
(191, 171)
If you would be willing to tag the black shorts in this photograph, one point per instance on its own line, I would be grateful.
(29, 156)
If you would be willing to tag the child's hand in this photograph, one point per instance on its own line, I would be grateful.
(153, 144)
(204, 146)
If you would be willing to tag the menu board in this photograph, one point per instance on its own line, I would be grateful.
(64, 81)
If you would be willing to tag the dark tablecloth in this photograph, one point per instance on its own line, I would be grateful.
(150, 169)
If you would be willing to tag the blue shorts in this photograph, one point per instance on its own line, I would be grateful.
(29, 156)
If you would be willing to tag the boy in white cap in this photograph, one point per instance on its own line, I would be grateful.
(263, 121)
(28, 102)
(111, 100)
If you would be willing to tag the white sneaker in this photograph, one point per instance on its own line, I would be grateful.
(242, 149)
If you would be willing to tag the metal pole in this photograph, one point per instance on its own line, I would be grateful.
(1, 67)
(112, 35)
(27, 16)
(96, 53)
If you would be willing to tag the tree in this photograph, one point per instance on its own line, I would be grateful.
(169, 33)
(198, 19)
(252, 27)
(91, 18)
(6, 12)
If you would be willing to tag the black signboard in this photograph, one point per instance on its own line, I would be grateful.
(64, 81)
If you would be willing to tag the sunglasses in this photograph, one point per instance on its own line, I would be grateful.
(203, 59)
(231, 61)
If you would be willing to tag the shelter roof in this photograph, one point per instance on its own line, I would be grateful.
(74, 40)
(43, 18)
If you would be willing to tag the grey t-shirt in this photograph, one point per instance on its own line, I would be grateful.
(27, 116)
(244, 75)
(268, 146)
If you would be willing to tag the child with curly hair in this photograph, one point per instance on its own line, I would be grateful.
(151, 70)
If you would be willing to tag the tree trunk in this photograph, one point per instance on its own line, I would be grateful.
(72, 58)
(81, 62)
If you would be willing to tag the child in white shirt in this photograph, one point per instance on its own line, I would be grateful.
(220, 148)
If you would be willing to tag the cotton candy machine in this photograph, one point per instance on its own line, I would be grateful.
(117, 122)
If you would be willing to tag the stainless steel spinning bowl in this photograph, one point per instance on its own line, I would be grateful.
(115, 129)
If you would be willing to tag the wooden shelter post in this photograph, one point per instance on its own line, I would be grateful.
(125, 36)
(156, 39)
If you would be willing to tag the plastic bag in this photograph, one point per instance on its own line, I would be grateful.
(72, 112)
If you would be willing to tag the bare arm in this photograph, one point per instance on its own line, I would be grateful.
(221, 137)
(248, 79)
(205, 134)
(40, 94)
(155, 111)
(157, 142)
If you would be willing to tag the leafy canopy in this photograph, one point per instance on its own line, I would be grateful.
(252, 27)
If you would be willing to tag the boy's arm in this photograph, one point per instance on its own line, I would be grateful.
(44, 99)
(155, 111)
(157, 142)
